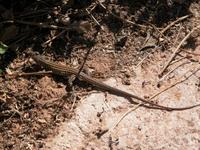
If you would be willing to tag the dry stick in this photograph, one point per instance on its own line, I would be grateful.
(73, 104)
(177, 60)
(41, 25)
(174, 84)
(107, 105)
(84, 61)
(32, 14)
(168, 73)
(53, 38)
(170, 25)
(177, 50)
(188, 57)
(124, 115)
(133, 108)
(127, 21)
(173, 23)
(176, 39)
(30, 74)
(85, 58)
(143, 59)
(95, 20)
(81, 68)
(12, 115)
(192, 53)
(156, 29)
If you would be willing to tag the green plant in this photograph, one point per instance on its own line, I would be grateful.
(3, 48)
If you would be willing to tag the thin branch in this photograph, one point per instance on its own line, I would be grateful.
(124, 115)
(174, 84)
(53, 38)
(177, 49)
(40, 24)
(124, 20)
(93, 18)
(173, 23)
(28, 74)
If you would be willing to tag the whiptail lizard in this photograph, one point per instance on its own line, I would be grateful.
(65, 71)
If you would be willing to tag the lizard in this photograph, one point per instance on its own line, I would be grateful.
(64, 70)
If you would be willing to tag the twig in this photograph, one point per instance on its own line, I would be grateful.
(12, 115)
(124, 115)
(174, 84)
(127, 21)
(168, 73)
(177, 60)
(74, 102)
(176, 39)
(84, 61)
(157, 30)
(107, 105)
(41, 25)
(192, 53)
(143, 59)
(53, 38)
(173, 23)
(85, 58)
(95, 20)
(29, 74)
(177, 49)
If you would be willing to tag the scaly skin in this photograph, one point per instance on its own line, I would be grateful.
(65, 71)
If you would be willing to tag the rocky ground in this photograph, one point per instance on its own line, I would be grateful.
(125, 44)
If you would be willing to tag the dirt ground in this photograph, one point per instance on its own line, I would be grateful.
(125, 44)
